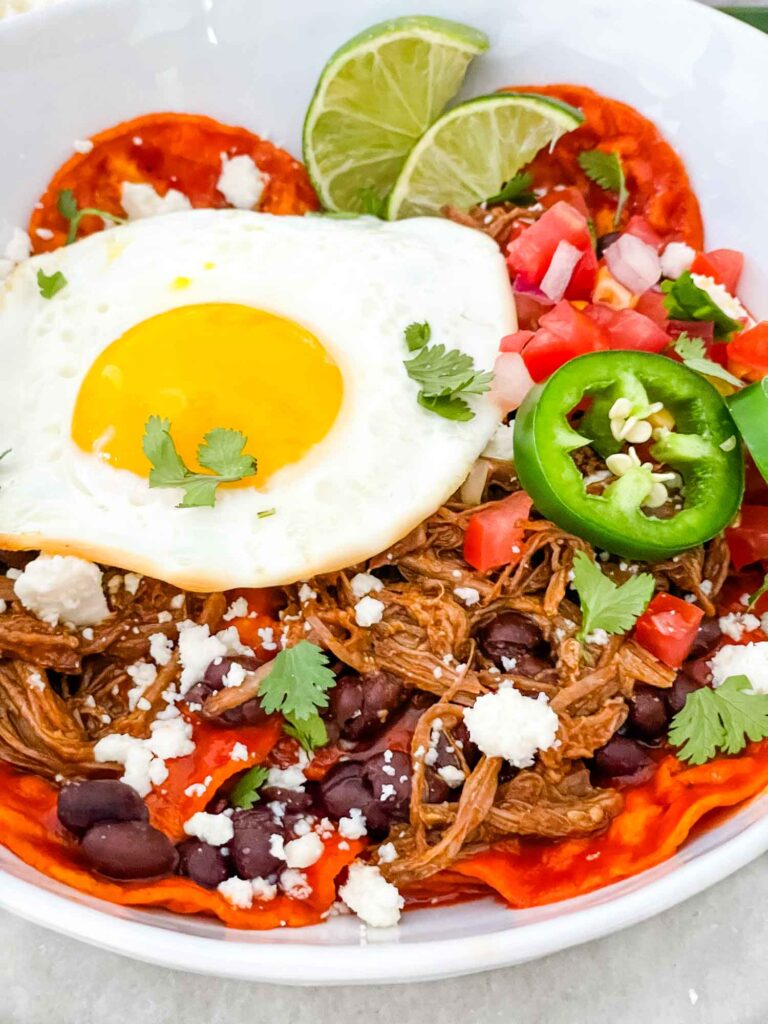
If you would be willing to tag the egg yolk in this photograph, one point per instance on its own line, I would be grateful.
(205, 366)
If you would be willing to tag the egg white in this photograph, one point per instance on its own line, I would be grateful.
(386, 463)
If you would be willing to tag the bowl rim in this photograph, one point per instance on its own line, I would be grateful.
(380, 962)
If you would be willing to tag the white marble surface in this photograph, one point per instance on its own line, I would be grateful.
(701, 963)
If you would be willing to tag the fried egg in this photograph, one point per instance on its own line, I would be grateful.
(289, 329)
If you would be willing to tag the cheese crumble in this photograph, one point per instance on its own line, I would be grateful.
(509, 725)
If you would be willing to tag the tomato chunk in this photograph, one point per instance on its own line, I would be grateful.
(628, 329)
(493, 536)
(748, 542)
(725, 265)
(529, 255)
(515, 342)
(748, 352)
(565, 332)
(668, 627)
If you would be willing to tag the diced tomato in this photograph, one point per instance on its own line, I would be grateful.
(651, 304)
(628, 329)
(668, 627)
(640, 228)
(748, 352)
(703, 329)
(530, 309)
(756, 489)
(493, 537)
(565, 332)
(725, 265)
(584, 277)
(571, 195)
(260, 632)
(748, 541)
(530, 254)
(515, 342)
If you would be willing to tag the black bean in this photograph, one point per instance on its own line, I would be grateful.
(677, 694)
(361, 705)
(707, 639)
(438, 791)
(622, 759)
(249, 713)
(604, 241)
(347, 786)
(203, 863)
(507, 635)
(83, 804)
(129, 849)
(648, 716)
(447, 749)
(389, 776)
(250, 845)
(294, 799)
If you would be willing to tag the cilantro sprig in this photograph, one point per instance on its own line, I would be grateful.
(693, 352)
(719, 720)
(52, 284)
(70, 211)
(518, 190)
(296, 687)
(684, 300)
(607, 171)
(445, 376)
(246, 791)
(221, 452)
(606, 605)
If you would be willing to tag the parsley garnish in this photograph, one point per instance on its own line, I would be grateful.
(722, 719)
(604, 604)
(246, 791)
(684, 300)
(372, 202)
(221, 452)
(69, 210)
(694, 355)
(517, 190)
(606, 170)
(297, 686)
(417, 336)
(49, 286)
(762, 589)
(444, 375)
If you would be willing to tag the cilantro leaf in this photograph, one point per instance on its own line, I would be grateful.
(684, 300)
(310, 732)
(448, 407)
(694, 355)
(221, 452)
(607, 171)
(246, 791)
(517, 190)
(297, 686)
(753, 598)
(417, 335)
(721, 719)
(372, 202)
(605, 604)
(70, 211)
(50, 285)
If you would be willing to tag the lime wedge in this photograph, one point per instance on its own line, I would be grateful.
(376, 97)
(470, 152)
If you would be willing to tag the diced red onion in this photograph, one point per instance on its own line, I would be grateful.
(511, 381)
(524, 287)
(633, 263)
(473, 488)
(558, 276)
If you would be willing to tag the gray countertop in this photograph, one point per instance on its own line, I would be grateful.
(701, 962)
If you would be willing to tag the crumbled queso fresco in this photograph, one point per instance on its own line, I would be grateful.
(750, 660)
(62, 588)
(507, 724)
(375, 900)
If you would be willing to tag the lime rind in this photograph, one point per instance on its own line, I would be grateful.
(376, 97)
(508, 129)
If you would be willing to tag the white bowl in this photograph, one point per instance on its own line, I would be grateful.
(84, 65)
